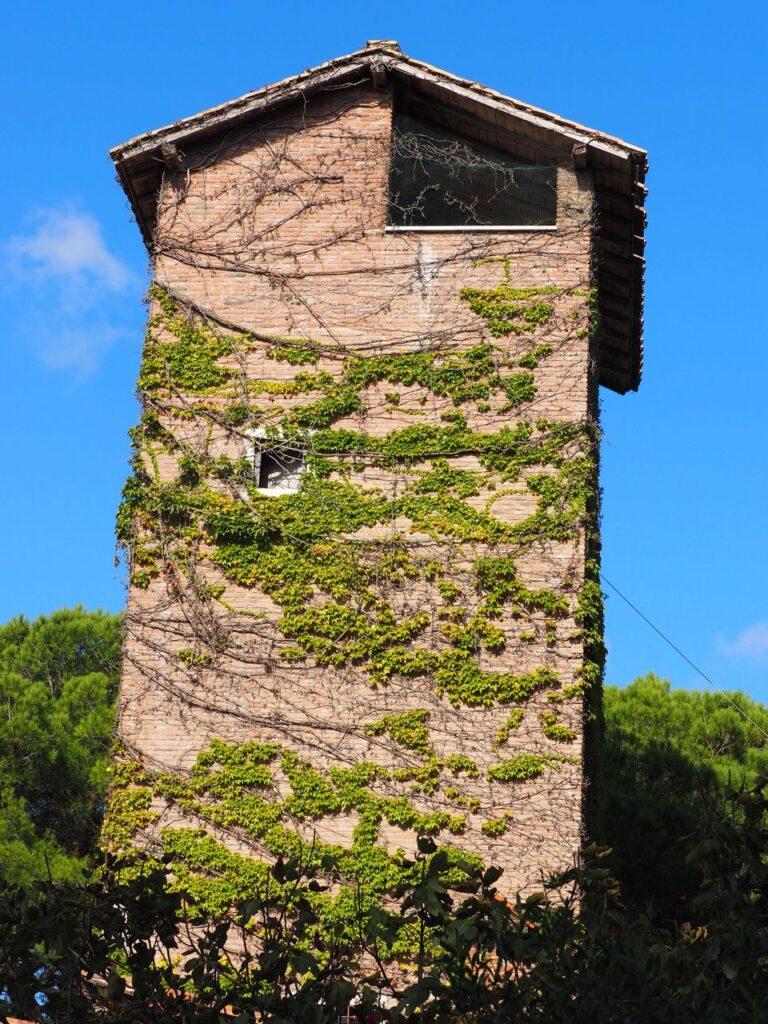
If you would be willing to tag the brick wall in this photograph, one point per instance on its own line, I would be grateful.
(281, 230)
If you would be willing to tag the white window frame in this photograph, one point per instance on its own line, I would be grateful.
(406, 228)
(255, 448)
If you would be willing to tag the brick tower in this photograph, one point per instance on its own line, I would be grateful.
(362, 525)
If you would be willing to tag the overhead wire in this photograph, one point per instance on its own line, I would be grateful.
(699, 671)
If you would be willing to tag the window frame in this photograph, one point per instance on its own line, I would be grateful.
(259, 443)
(399, 228)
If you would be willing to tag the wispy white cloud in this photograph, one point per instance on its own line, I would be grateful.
(71, 286)
(78, 348)
(751, 642)
(68, 244)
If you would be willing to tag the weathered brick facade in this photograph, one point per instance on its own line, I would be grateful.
(275, 232)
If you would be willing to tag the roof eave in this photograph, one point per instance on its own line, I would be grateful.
(297, 86)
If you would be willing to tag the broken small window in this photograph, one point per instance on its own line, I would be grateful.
(278, 464)
(441, 179)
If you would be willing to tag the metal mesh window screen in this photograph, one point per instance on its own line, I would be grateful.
(441, 179)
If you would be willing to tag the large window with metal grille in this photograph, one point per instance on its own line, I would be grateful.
(439, 179)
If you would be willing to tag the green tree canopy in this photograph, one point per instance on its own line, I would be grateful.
(669, 757)
(58, 682)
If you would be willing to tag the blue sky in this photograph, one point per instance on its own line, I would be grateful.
(684, 460)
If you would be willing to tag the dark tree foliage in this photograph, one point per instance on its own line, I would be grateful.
(58, 682)
(683, 936)
(118, 950)
(669, 758)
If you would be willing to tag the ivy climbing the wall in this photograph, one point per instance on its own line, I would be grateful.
(378, 517)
